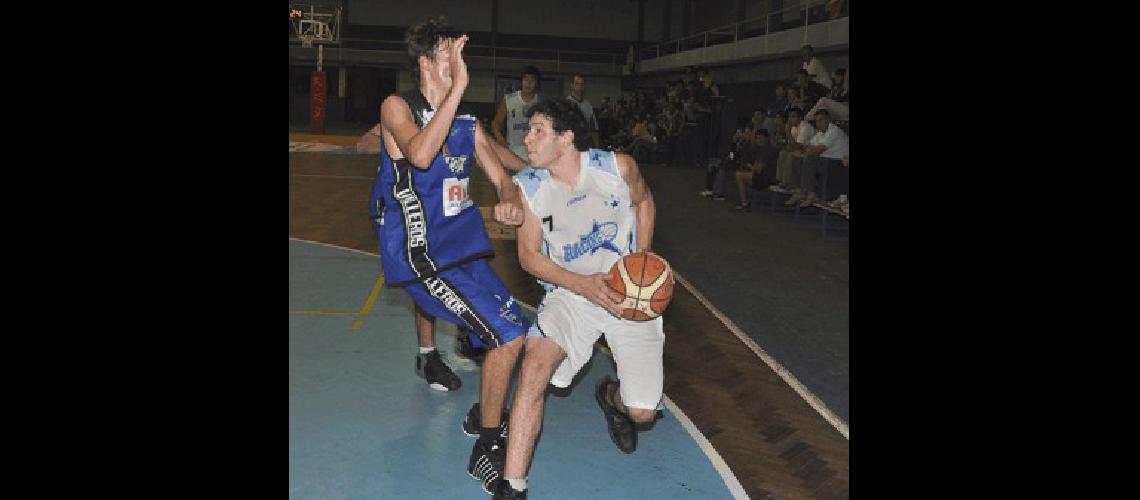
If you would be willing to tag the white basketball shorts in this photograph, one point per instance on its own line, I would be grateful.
(575, 323)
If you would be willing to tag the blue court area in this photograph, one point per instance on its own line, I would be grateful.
(362, 425)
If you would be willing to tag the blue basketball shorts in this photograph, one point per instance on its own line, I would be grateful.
(473, 297)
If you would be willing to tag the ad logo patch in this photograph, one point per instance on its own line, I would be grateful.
(455, 196)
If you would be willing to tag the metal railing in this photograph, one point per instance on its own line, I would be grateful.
(495, 53)
(810, 12)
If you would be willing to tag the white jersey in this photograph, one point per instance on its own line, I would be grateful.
(517, 123)
(588, 228)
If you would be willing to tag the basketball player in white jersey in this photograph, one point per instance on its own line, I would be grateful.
(585, 209)
(512, 112)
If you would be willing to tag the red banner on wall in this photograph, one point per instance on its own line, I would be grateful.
(317, 93)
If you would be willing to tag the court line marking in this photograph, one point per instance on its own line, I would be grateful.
(375, 288)
(726, 474)
(784, 374)
(791, 380)
(367, 309)
(706, 446)
(362, 252)
(718, 463)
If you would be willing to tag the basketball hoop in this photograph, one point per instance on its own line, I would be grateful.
(315, 25)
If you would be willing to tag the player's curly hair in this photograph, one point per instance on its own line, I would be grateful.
(564, 115)
(423, 39)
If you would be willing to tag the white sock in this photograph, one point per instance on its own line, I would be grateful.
(425, 350)
(518, 484)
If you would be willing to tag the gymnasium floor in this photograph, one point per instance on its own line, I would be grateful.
(767, 421)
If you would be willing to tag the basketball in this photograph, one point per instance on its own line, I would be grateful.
(646, 281)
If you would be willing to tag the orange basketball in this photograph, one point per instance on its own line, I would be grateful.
(646, 281)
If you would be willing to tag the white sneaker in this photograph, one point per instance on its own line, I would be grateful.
(705, 193)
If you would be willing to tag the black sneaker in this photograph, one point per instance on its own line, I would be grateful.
(431, 367)
(465, 348)
(471, 422)
(487, 461)
(621, 427)
(504, 491)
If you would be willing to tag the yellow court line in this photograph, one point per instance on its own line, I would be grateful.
(367, 309)
(323, 313)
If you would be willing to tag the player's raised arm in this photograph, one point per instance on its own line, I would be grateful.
(421, 146)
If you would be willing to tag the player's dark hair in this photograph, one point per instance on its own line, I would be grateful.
(564, 115)
(423, 39)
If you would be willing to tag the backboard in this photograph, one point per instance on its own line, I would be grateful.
(314, 23)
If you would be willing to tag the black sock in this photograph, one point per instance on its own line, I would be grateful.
(488, 434)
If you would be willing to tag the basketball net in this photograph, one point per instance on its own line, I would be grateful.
(307, 40)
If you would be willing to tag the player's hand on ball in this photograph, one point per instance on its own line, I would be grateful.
(595, 290)
(508, 213)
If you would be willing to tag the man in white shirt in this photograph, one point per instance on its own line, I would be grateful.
(787, 165)
(577, 95)
(816, 71)
(824, 154)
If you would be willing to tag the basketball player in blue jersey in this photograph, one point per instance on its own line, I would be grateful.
(512, 112)
(432, 239)
(585, 210)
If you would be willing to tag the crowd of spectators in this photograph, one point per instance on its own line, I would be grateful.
(788, 146)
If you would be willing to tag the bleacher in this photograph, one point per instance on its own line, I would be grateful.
(705, 139)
